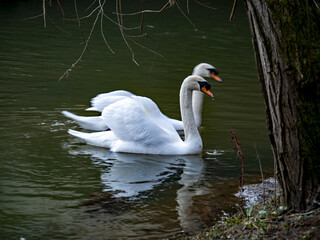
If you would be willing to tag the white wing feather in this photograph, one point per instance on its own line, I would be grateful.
(131, 121)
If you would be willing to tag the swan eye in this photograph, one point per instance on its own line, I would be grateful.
(213, 70)
(205, 85)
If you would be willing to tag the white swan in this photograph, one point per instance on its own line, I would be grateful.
(98, 103)
(133, 131)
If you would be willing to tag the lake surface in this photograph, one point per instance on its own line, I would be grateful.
(52, 186)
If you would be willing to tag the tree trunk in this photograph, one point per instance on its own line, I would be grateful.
(286, 41)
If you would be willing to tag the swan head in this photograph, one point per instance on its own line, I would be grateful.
(198, 83)
(206, 70)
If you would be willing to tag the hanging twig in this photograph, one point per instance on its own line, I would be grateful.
(90, 5)
(141, 23)
(170, 3)
(60, 28)
(120, 21)
(188, 7)
(79, 24)
(28, 18)
(66, 73)
(178, 6)
(233, 10)
(44, 13)
(61, 8)
(148, 49)
(101, 28)
(116, 23)
(202, 4)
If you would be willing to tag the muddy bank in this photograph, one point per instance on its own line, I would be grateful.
(263, 217)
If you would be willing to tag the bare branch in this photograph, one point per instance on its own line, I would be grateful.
(44, 13)
(66, 73)
(233, 10)
(188, 7)
(116, 23)
(120, 21)
(141, 23)
(178, 6)
(169, 3)
(202, 4)
(148, 49)
(101, 28)
(40, 15)
(60, 28)
(61, 8)
(79, 24)
(90, 5)
(89, 15)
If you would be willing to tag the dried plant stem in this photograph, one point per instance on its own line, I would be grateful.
(240, 155)
(262, 178)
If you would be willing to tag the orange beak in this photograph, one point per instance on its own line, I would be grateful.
(203, 89)
(215, 77)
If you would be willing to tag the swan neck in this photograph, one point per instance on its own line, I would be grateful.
(197, 103)
(189, 124)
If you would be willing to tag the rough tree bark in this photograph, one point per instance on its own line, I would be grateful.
(286, 39)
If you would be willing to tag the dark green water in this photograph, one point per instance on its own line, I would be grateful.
(48, 178)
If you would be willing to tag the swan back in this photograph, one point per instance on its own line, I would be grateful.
(102, 100)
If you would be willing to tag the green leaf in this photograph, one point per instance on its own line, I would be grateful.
(248, 211)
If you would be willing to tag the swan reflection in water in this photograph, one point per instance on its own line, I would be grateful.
(134, 175)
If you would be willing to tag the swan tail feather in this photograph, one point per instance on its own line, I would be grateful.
(78, 134)
(99, 139)
(92, 109)
(93, 123)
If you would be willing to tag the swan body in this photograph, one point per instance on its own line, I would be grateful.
(135, 130)
(98, 103)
